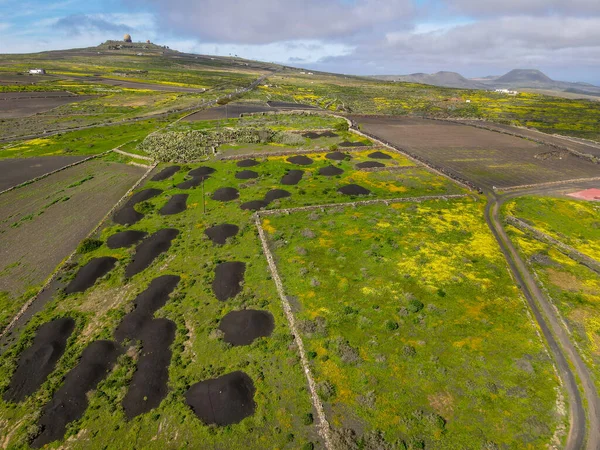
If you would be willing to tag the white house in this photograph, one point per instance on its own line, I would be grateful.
(37, 71)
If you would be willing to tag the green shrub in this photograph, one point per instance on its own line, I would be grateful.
(89, 245)
(415, 305)
(308, 419)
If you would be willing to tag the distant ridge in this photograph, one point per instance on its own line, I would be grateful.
(524, 76)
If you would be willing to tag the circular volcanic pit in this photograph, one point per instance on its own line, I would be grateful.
(228, 280)
(246, 175)
(201, 171)
(222, 401)
(38, 361)
(254, 205)
(125, 239)
(379, 155)
(167, 172)
(149, 249)
(350, 144)
(276, 194)
(89, 274)
(328, 134)
(219, 233)
(225, 194)
(338, 156)
(300, 160)
(247, 163)
(243, 327)
(369, 165)
(145, 305)
(292, 177)
(191, 183)
(311, 135)
(330, 171)
(148, 386)
(353, 189)
(70, 401)
(176, 204)
(127, 215)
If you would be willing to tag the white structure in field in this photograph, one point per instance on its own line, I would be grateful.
(37, 71)
(506, 91)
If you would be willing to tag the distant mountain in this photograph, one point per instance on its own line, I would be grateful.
(445, 79)
(514, 80)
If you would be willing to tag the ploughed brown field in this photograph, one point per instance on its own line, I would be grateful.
(23, 104)
(483, 157)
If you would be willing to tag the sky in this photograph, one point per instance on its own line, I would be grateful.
(363, 37)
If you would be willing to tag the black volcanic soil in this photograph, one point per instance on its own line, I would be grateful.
(222, 401)
(246, 175)
(276, 194)
(201, 171)
(379, 155)
(337, 156)
(253, 205)
(176, 204)
(328, 134)
(145, 305)
(70, 401)
(167, 172)
(148, 386)
(228, 280)
(225, 194)
(219, 233)
(353, 189)
(247, 163)
(191, 183)
(149, 249)
(369, 165)
(38, 361)
(88, 274)
(350, 144)
(330, 171)
(127, 215)
(300, 160)
(311, 135)
(292, 177)
(125, 239)
(243, 327)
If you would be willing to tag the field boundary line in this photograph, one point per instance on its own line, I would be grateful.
(132, 155)
(274, 212)
(41, 177)
(323, 427)
(567, 250)
(365, 148)
(66, 261)
(549, 183)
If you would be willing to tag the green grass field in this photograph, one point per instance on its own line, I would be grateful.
(415, 330)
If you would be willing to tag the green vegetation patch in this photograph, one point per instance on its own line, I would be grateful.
(415, 331)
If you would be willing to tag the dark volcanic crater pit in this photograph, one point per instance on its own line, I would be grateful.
(219, 233)
(337, 156)
(125, 239)
(148, 386)
(176, 204)
(276, 194)
(291, 178)
(89, 274)
(300, 160)
(379, 155)
(369, 165)
(225, 194)
(149, 249)
(353, 189)
(145, 305)
(38, 361)
(191, 183)
(350, 144)
(167, 172)
(254, 205)
(70, 401)
(330, 171)
(201, 171)
(246, 175)
(127, 215)
(223, 401)
(243, 327)
(228, 279)
(247, 163)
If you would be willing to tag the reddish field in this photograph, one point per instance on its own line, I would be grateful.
(589, 194)
(485, 158)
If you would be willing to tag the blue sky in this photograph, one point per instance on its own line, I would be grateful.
(473, 37)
